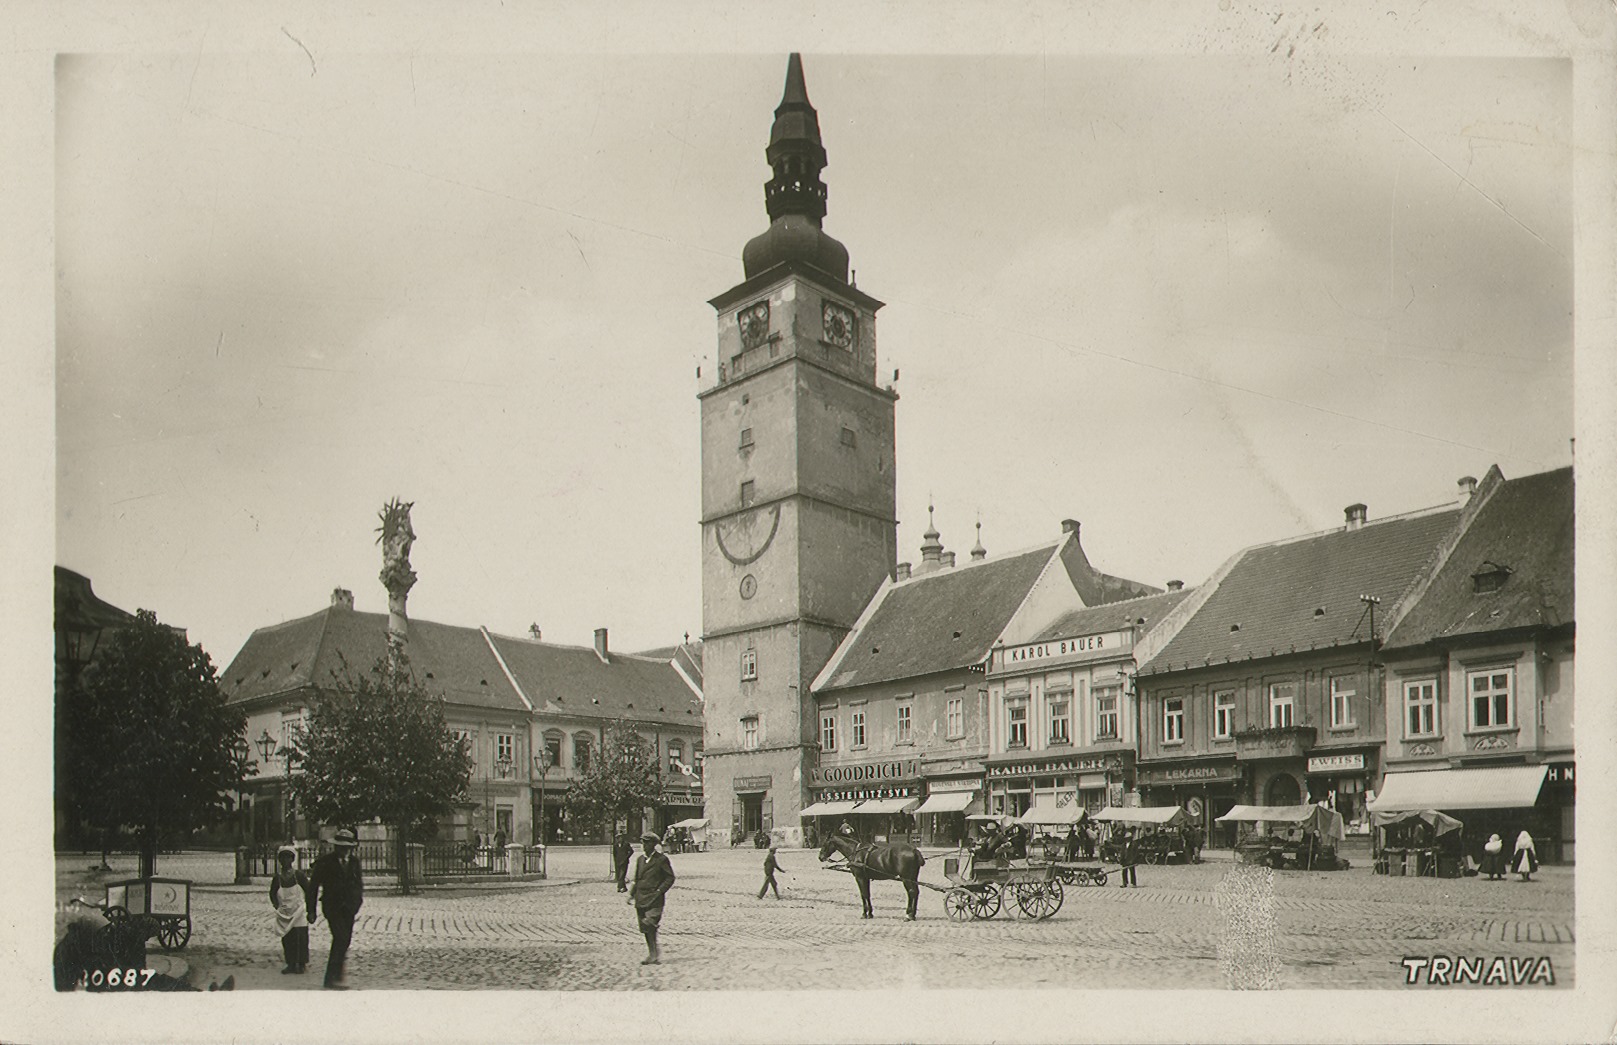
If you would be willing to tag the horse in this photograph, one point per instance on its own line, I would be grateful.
(867, 859)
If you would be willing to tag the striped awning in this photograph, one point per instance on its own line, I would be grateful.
(828, 809)
(886, 805)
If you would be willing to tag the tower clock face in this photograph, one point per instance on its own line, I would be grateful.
(754, 323)
(838, 321)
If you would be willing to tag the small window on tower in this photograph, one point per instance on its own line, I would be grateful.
(848, 438)
(746, 439)
(746, 493)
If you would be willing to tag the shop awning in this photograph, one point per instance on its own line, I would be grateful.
(1495, 787)
(1143, 814)
(828, 809)
(947, 802)
(886, 805)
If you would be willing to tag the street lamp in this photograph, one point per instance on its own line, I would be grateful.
(241, 751)
(541, 765)
(267, 747)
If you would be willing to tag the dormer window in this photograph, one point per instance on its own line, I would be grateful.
(1490, 576)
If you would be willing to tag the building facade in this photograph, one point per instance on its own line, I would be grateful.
(531, 714)
(1269, 690)
(1479, 672)
(1063, 723)
(799, 523)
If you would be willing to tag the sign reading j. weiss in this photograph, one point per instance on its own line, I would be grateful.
(1103, 642)
(1333, 763)
(865, 772)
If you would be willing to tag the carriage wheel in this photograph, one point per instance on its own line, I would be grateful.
(1069, 875)
(987, 902)
(1097, 876)
(174, 933)
(1053, 890)
(959, 904)
(1039, 900)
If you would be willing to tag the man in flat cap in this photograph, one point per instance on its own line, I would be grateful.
(653, 875)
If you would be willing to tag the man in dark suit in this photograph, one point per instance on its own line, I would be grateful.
(338, 883)
(653, 876)
(621, 851)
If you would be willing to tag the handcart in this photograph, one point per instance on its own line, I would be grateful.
(159, 907)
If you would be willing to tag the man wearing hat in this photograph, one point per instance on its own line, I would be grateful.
(338, 882)
(653, 875)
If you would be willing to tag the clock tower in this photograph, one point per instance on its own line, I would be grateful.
(799, 523)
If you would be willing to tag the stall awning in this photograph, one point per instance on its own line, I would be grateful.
(1143, 814)
(1327, 822)
(700, 821)
(1049, 813)
(829, 809)
(1495, 787)
(947, 802)
(886, 805)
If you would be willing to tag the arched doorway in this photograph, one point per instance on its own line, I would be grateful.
(1282, 790)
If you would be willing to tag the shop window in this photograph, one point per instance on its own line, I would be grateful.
(856, 729)
(1173, 720)
(749, 733)
(1060, 717)
(1106, 698)
(1343, 691)
(1016, 735)
(955, 718)
(1224, 714)
(904, 714)
(828, 731)
(1282, 705)
(1420, 708)
(1490, 698)
(749, 665)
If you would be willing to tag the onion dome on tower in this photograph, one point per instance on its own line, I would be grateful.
(795, 195)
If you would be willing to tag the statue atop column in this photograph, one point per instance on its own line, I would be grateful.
(397, 577)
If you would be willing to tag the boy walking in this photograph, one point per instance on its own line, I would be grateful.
(653, 877)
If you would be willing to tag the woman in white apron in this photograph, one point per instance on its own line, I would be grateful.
(289, 893)
(1526, 856)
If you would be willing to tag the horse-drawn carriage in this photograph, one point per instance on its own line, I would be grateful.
(980, 888)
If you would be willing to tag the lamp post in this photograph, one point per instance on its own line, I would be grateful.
(241, 751)
(541, 765)
(268, 748)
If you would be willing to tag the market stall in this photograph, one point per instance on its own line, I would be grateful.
(690, 835)
(1159, 833)
(1422, 842)
(1304, 836)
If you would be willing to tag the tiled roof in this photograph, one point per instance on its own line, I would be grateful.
(319, 650)
(1145, 612)
(573, 680)
(939, 621)
(1527, 527)
(688, 655)
(1303, 593)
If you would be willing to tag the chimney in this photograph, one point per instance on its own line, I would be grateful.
(342, 598)
(948, 558)
(1355, 515)
(600, 645)
(1468, 488)
(903, 572)
(533, 629)
(1069, 526)
(1176, 585)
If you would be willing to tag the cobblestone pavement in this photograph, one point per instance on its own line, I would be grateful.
(574, 931)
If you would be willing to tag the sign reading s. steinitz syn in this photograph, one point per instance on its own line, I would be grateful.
(866, 772)
(1108, 640)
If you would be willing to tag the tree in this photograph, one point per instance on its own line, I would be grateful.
(148, 739)
(622, 781)
(377, 747)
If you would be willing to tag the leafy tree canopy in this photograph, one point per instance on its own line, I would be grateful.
(148, 738)
(620, 782)
(377, 746)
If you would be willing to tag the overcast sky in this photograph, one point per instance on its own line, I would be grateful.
(1195, 303)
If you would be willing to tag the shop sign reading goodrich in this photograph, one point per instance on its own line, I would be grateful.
(865, 772)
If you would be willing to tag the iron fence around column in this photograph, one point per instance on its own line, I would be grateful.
(446, 859)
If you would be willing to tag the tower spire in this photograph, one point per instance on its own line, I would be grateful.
(794, 196)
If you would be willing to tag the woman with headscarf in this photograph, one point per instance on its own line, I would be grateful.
(1493, 859)
(289, 892)
(1525, 859)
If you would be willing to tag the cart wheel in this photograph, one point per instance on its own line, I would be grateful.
(988, 902)
(959, 904)
(1097, 876)
(1069, 875)
(174, 933)
(116, 915)
(1059, 894)
(1038, 900)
